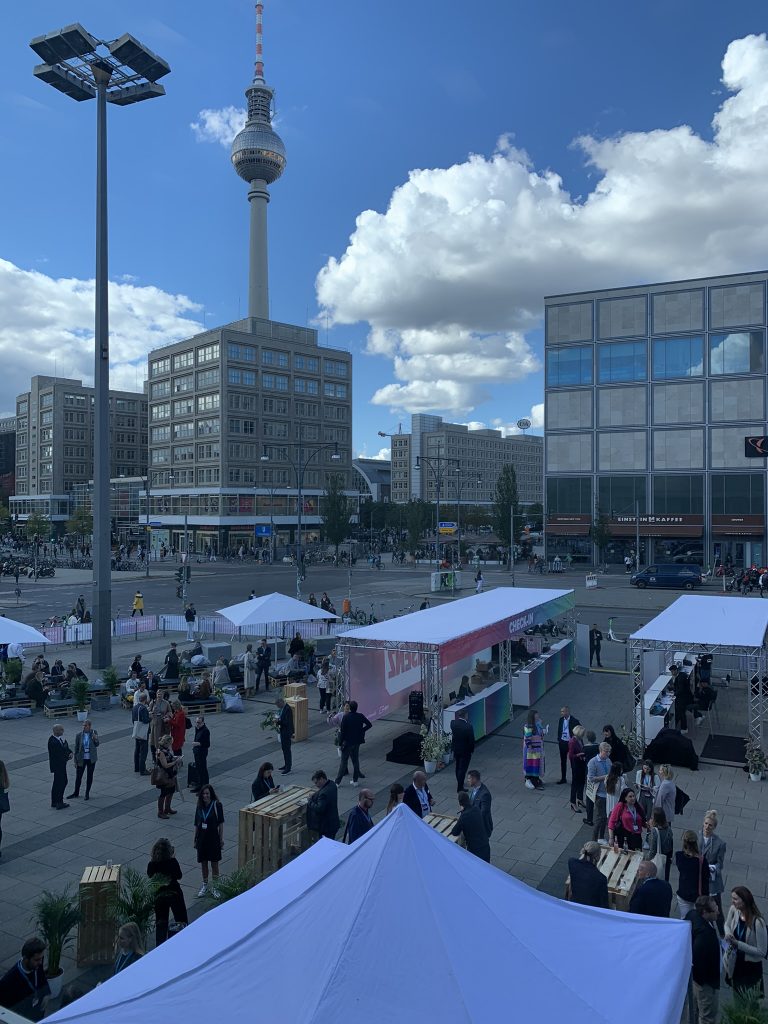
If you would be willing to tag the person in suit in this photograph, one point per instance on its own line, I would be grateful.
(472, 827)
(354, 726)
(58, 756)
(323, 807)
(595, 643)
(359, 820)
(463, 746)
(285, 728)
(264, 784)
(417, 795)
(263, 663)
(566, 723)
(86, 755)
(200, 747)
(705, 960)
(588, 886)
(713, 851)
(480, 796)
(653, 896)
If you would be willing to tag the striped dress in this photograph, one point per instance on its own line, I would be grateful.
(533, 751)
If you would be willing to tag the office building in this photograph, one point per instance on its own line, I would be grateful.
(7, 456)
(479, 456)
(372, 478)
(55, 444)
(650, 393)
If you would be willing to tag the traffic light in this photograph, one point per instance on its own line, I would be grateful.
(180, 575)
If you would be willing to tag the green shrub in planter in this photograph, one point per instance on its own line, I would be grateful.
(13, 671)
(111, 680)
(80, 693)
(745, 1009)
(56, 915)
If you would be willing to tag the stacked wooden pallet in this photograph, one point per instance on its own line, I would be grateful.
(273, 831)
(97, 930)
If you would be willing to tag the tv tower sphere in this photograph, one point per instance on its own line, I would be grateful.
(258, 153)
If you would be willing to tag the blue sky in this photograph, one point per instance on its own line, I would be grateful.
(438, 291)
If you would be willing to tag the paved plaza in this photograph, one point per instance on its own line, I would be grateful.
(534, 832)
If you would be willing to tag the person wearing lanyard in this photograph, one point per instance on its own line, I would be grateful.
(626, 821)
(86, 743)
(565, 726)
(359, 820)
(209, 836)
(25, 986)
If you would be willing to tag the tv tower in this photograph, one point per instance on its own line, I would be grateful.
(258, 156)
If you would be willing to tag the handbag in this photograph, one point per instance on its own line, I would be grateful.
(729, 958)
(591, 788)
(5, 803)
(160, 777)
(659, 859)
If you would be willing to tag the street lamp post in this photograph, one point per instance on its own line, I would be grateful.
(122, 72)
(443, 463)
(299, 465)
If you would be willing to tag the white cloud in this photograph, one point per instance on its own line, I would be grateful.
(454, 272)
(384, 454)
(47, 323)
(219, 125)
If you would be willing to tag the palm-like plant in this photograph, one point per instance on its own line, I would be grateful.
(56, 915)
(135, 900)
(234, 884)
(746, 1008)
(111, 680)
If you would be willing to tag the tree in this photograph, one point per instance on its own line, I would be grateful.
(80, 523)
(601, 533)
(535, 513)
(419, 516)
(336, 511)
(506, 505)
(38, 525)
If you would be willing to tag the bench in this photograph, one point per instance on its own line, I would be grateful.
(15, 702)
(203, 707)
(59, 710)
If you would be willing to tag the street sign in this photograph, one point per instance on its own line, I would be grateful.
(447, 527)
(755, 447)
(156, 523)
(263, 530)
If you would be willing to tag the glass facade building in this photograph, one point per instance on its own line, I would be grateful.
(650, 392)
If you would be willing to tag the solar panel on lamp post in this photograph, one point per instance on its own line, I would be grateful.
(122, 72)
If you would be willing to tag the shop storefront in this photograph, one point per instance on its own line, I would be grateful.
(569, 535)
(663, 538)
(738, 541)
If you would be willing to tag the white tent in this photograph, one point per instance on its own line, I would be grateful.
(711, 621)
(271, 610)
(13, 632)
(402, 926)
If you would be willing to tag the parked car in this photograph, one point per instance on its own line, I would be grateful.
(670, 575)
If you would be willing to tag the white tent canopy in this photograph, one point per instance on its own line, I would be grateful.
(716, 621)
(13, 632)
(401, 926)
(448, 622)
(272, 609)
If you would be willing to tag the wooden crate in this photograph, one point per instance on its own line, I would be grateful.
(295, 690)
(300, 708)
(61, 712)
(15, 702)
(97, 931)
(273, 831)
(621, 871)
(442, 823)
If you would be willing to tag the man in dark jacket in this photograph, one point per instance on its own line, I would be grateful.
(296, 646)
(352, 730)
(285, 728)
(171, 664)
(566, 723)
(588, 886)
(140, 729)
(463, 746)
(705, 970)
(480, 796)
(472, 827)
(323, 807)
(653, 896)
(200, 747)
(263, 663)
(595, 643)
(359, 820)
(417, 795)
(58, 756)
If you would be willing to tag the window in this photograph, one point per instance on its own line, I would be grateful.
(276, 454)
(159, 366)
(276, 476)
(308, 364)
(160, 434)
(309, 410)
(738, 352)
(208, 476)
(569, 495)
(331, 390)
(243, 353)
(238, 450)
(336, 412)
(245, 403)
(208, 426)
(618, 495)
(46, 401)
(621, 361)
(678, 357)
(22, 407)
(678, 495)
(311, 432)
(737, 493)
(183, 407)
(46, 419)
(208, 378)
(242, 475)
(307, 387)
(162, 411)
(184, 453)
(184, 360)
(569, 366)
(274, 382)
(207, 353)
(207, 403)
(276, 429)
(209, 451)
(160, 390)
(270, 357)
(245, 377)
(335, 368)
(160, 455)
(182, 384)
(183, 430)
(124, 405)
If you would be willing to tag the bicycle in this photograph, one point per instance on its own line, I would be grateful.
(363, 618)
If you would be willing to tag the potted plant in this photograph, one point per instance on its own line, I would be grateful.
(112, 683)
(746, 1008)
(447, 754)
(56, 915)
(755, 758)
(135, 901)
(12, 672)
(270, 720)
(431, 749)
(80, 694)
(234, 884)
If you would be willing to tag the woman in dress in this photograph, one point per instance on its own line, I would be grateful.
(264, 784)
(167, 766)
(666, 793)
(533, 751)
(249, 670)
(626, 822)
(615, 784)
(578, 764)
(178, 727)
(647, 784)
(713, 851)
(746, 934)
(5, 804)
(396, 794)
(129, 948)
(694, 874)
(168, 896)
(209, 836)
(660, 842)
